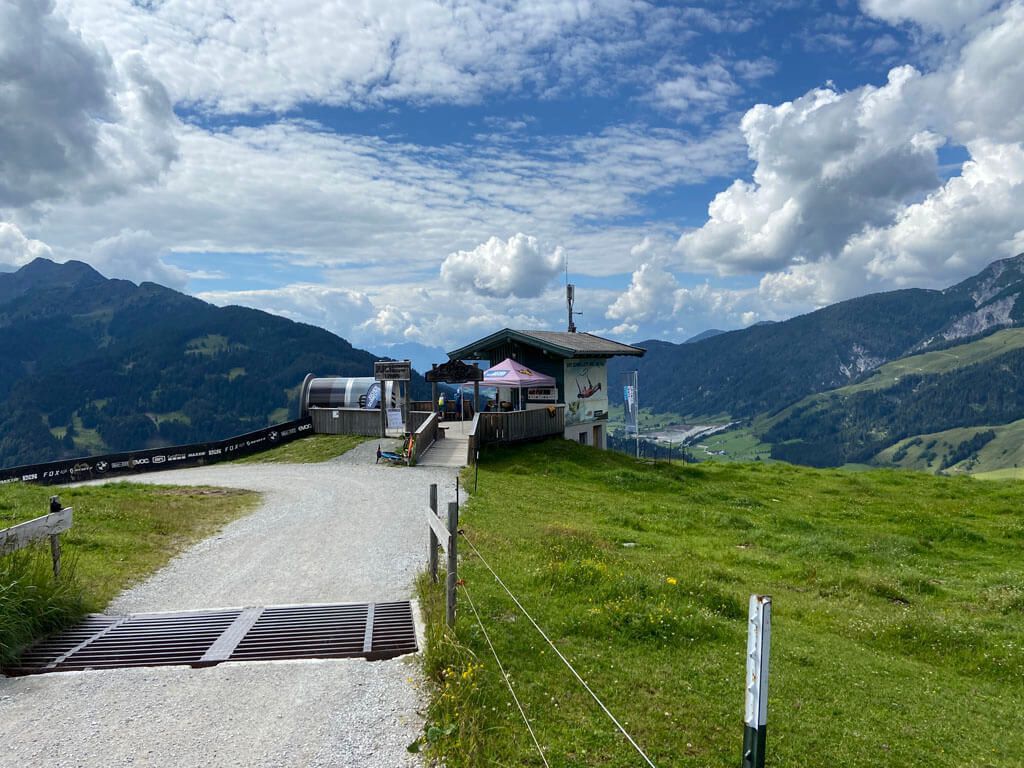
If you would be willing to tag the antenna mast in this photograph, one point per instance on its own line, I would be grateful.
(570, 295)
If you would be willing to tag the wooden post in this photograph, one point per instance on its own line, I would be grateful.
(55, 554)
(759, 632)
(453, 561)
(55, 506)
(476, 391)
(432, 550)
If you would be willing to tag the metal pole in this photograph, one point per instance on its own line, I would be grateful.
(759, 632)
(432, 549)
(383, 410)
(453, 562)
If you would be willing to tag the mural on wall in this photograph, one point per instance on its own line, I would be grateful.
(586, 390)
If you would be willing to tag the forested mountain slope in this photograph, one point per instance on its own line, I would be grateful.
(89, 365)
(765, 368)
(975, 385)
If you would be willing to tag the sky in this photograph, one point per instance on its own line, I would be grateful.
(428, 172)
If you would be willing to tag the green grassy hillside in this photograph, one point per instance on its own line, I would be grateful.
(954, 389)
(926, 453)
(898, 614)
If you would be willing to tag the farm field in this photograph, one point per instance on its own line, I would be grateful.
(898, 614)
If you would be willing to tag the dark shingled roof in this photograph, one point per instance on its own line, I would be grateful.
(585, 343)
(562, 344)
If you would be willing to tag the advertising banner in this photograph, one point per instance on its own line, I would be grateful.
(586, 390)
(630, 401)
(153, 459)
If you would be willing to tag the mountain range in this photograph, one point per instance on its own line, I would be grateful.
(90, 365)
(919, 378)
(814, 387)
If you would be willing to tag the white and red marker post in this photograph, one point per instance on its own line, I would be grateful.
(759, 632)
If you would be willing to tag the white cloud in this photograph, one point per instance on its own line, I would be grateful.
(17, 250)
(941, 15)
(337, 309)
(696, 91)
(232, 57)
(71, 120)
(828, 164)
(651, 294)
(500, 268)
(137, 256)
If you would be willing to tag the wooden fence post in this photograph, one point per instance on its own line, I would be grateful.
(432, 550)
(759, 632)
(55, 506)
(453, 561)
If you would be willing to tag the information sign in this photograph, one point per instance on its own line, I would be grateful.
(392, 370)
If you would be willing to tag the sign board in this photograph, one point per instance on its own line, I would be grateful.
(395, 418)
(547, 394)
(398, 370)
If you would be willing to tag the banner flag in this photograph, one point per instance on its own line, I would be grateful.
(630, 401)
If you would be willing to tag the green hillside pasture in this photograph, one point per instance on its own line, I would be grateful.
(941, 361)
(740, 444)
(898, 614)
(1001, 474)
(121, 534)
(886, 376)
(307, 450)
(925, 453)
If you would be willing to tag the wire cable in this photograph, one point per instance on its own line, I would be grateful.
(565, 660)
(504, 675)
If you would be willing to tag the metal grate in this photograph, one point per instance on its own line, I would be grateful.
(373, 631)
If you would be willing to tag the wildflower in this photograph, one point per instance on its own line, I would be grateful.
(670, 580)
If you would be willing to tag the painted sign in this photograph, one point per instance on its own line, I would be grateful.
(396, 370)
(547, 394)
(586, 390)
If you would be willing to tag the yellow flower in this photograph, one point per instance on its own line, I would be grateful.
(670, 580)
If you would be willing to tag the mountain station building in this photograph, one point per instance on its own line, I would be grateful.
(578, 363)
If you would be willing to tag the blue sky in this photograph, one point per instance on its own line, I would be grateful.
(418, 171)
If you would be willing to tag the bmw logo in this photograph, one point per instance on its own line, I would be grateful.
(101, 466)
(273, 436)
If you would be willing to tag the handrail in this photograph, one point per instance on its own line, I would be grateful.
(473, 443)
(425, 435)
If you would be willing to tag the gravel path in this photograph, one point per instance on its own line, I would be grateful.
(342, 531)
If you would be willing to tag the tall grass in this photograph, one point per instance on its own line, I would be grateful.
(33, 602)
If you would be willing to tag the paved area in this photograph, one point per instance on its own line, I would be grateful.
(451, 451)
(345, 530)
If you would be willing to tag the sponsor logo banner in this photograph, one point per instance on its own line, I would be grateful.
(159, 458)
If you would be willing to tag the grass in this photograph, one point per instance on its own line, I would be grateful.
(739, 444)
(898, 613)
(1004, 452)
(121, 534)
(306, 450)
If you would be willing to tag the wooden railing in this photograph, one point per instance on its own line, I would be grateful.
(426, 434)
(514, 426)
(417, 418)
(23, 534)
